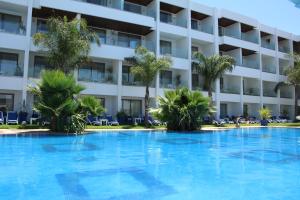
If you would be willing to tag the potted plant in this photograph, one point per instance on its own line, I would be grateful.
(265, 114)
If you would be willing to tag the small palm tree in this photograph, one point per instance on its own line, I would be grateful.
(183, 109)
(67, 43)
(58, 100)
(146, 66)
(212, 68)
(293, 79)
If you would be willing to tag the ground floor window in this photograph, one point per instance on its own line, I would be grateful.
(132, 107)
(223, 110)
(6, 102)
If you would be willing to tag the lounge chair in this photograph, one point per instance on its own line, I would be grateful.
(218, 122)
(111, 121)
(154, 122)
(34, 117)
(93, 120)
(1, 118)
(12, 117)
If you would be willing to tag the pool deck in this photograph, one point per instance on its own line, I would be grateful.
(46, 131)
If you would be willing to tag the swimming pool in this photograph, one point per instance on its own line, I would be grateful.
(259, 163)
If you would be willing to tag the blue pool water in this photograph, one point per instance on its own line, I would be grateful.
(235, 164)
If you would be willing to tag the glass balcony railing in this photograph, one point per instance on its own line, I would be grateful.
(282, 70)
(127, 6)
(250, 64)
(121, 39)
(12, 24)
(286, 95)
(252, 91)
(11, 70)
(269, 69)
(269, 93)
(108, 78)
(196, 25)
(249, 38)
(267, 45)
(231, 90)
(237, 35)
(283, 49)
(172, 84)
(173, 20)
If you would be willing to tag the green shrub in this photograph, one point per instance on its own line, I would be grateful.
(265, 113)
(183, 109)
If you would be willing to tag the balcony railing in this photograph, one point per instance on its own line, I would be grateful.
(232, 90)
(269, 69)
(173, 20)
(286, 95)
(108, 78)
(169, 52)
(252, 91)
(269, 93)
(250, 64)
(11, 70)
(282, 70)
(241, 36)
(283, 49)
(14, 29)
(172, 85)
(249, 38)
(128, 6)
(117, 38)
(196, 25)
(267, 45)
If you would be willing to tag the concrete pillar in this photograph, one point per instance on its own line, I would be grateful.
(189, 45)
(27, 51)
(157, 45)
(118, 64)
(216, 49)
(241, 96)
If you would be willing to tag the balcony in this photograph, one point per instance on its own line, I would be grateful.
(196, 25)
(269, 69)
(283, 49)
(267, 45)
(97, 73)
(11, 24)
(286, 94)
(174, 15)
(250, 64)
(223, 31)
(172, 84)
(127, 6)
(117, 38)
(249, 38)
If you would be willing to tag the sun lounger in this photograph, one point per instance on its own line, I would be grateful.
(1, 118)
(12, 117)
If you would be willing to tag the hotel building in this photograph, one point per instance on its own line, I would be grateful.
(167, 27)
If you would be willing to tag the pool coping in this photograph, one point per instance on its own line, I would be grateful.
(47, 131)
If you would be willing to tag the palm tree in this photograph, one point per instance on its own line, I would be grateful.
(293, 79)
(67, 43)
(58, 100)
(146, 66)
(212, 68)
(183, 109)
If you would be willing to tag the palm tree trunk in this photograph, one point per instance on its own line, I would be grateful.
(147, 106)
(296, 104)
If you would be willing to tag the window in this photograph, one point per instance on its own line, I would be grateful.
(223, 110)
(92, 72)
(195, 80)
(132, 108)
(194, 24)
(10, 23)
(221, 83)
(128, 78)
(9, 65)
(6, 102)
(166, 17)
(102, 35)
(128, 40)
(40, 64)
(165, 78)
(165, 47)
(41, 26)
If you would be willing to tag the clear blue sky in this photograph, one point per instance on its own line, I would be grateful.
(281, 14)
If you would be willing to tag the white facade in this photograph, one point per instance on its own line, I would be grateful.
(175, 28)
